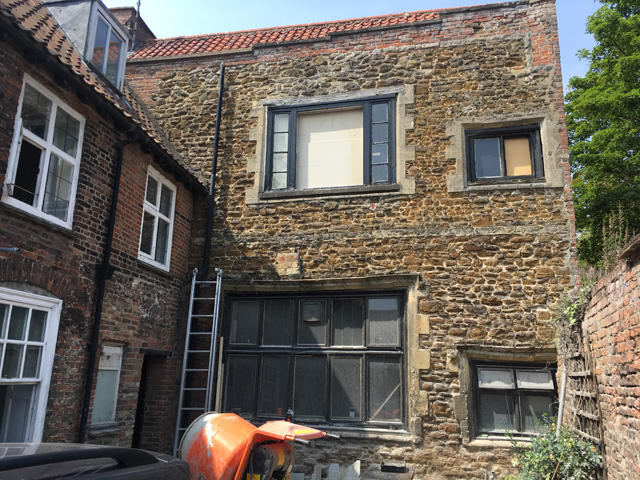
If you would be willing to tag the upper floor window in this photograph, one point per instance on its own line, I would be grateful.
(343, 144)
(504, 153)
(45, 156)
(157, 221)
(108, 49)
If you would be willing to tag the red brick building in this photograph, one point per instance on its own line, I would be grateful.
(100, 209)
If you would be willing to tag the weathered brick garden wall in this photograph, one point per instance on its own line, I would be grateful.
(142, 304)
(486, 263)
(612, 327)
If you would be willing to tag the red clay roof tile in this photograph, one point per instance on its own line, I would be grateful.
(218, 42)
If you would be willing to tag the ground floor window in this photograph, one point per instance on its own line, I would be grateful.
(329, 358)
(28, 330)
(512, 397)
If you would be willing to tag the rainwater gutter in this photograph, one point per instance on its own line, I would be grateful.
(212, 185)
(104, 272)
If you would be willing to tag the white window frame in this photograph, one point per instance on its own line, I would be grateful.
(43, 382)
(21, 134)
(155, 211)
(96, 13)
(110, 360)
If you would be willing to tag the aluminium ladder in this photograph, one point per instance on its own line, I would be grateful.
(200, 347)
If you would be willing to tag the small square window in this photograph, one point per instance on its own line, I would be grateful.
(45, 156)
(512, 398)
(335, 145)
(504, 153)
(157, 221)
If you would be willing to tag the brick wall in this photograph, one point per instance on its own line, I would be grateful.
(612, 327)
(142, 305)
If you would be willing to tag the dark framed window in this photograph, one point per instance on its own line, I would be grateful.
(504, 153)
(331, 359)
(331, 145)
(512, 397)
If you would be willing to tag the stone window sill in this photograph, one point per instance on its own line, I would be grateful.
(496, 442)
(103, 429)
(332, 192)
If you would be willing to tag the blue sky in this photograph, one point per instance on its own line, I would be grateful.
(168, 18)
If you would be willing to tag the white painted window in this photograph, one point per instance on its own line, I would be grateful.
(107, 46)
(28, 331)
(45, 156)
(105, 399)
(157, 221)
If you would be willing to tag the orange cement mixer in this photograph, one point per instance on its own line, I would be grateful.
(224, 446)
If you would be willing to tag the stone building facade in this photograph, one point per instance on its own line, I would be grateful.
(87, 256)
(399, 293)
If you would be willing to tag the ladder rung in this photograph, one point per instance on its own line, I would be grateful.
(199, 333)
(206, 282)
(204, 298)
(196, 370)
(194, 389)
(202, 316)
(197, 351)
(192, 409)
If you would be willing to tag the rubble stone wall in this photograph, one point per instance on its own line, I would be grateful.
(485, 263)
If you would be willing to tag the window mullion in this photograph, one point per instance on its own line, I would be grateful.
(367, 126)
(292, 149)
(105, 56)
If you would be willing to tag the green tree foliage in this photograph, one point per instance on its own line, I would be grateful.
(603, 120)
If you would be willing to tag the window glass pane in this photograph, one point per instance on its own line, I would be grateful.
(279, 181)
(36, 111)
(279, 162)
(274, 381)
(26, 181)
(380, 112)
(495, 378)
(496, 412)
(281, 122)
(531, 408)
(146, 239)
(385, 389)
(330, 149)
(487, 157)
(380, 133)
(166, 201)
(162, 242)
(380, 174)
(113, 57)
(380, 154)
(347, 322)
(37, 325)
(517, 156)
(383, 322)
(346, 391)
(4, 312)
(66, 132)
(12, 360)
(100, 43)
(280, 142)
(18, 323)
(541, 380)
(240, 390)
(312, 323)
(278, 322)
(309, 387)
(244, 322)
(152, 190)
(58, 189)
(17, 401)
(32, 362)
(104, 402)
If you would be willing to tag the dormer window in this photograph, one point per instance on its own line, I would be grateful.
(107, 49)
